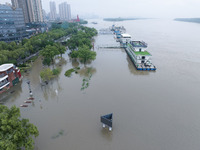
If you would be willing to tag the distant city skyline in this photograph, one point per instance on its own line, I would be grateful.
(130, 8)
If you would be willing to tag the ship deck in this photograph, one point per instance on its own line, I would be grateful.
(144, 53)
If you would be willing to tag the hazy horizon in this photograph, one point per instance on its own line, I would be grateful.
(130, 8)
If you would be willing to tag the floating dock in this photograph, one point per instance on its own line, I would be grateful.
(136, 50)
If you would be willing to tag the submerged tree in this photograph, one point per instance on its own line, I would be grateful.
(60, 48)
(46, 74)
(85, 54)
(49, 52)
(15, 133)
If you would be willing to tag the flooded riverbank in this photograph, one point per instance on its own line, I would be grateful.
(151, 110)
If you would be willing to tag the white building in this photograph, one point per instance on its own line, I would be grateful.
(65, 11)
(52, 10)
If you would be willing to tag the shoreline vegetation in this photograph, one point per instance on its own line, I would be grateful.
(45, 45)
(193, 20)
(79, 43)
(20, 52)
(122, 19)
(15, 52)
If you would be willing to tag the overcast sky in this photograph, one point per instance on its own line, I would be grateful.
(130, 8)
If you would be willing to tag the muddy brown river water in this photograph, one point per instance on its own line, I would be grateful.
(151, 110)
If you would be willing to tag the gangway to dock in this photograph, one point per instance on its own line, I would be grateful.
(105, 31)
(109, 46)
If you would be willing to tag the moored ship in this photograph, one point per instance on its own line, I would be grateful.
(136, 50)
(141, 58)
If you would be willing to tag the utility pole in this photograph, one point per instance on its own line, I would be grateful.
(30, 91)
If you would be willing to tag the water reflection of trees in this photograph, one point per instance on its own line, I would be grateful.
(60, 61)
(86, 73)
(75, 62)
(51, 90)
(14, 92)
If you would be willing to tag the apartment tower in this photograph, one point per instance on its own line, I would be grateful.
(32, 10)
(65, 11)
(52, 10)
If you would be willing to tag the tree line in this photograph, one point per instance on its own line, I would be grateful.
(79, 43)
(13, 52)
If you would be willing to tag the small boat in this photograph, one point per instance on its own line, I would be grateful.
(27, 101)
(23, 105)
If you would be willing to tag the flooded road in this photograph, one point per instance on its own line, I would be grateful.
(151, 110)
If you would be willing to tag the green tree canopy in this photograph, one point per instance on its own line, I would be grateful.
(46, 74)
(49, 52)
(60, 48)
(15, 52)
(15, 133)
(82, 37)
(74, 54)
(85, 54)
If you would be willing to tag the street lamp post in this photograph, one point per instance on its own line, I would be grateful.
(30, 91)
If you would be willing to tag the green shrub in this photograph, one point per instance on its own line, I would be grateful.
(56, 71)
(22, 65)
(46, 74)
(69, 72)
(74, 54)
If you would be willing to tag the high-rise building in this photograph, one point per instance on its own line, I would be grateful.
(37, 7)
(52, 10)
(23, 4)
(65, 11)
(12, 25)
(32, 10)
(69, 11)
(44, 15)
